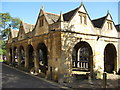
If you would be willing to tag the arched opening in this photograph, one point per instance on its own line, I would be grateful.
(82, 57)
(42, 57)
(15, 55)
(110, 58)
(31, 56)
(10, 55)
(22, 56)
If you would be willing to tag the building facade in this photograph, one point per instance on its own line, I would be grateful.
(63, 45)
(118, 29)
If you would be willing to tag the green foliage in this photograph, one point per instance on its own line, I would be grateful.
(6, 22)
(5, 33)
(15, 23)
(1, 52)
(3, 47)
(4, 18)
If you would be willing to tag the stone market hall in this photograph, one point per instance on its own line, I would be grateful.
(60, 46)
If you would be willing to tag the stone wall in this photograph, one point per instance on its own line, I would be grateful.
(69, 40)
(53, 44)
(60, 38)
(119, 51)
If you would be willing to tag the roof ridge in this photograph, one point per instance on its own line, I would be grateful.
(14, 29)
(99, 18)
(67, 16)
(27, 23)
(71, 10)
(99, 21)
(52, 13)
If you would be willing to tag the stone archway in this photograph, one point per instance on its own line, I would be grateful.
(31, 56)
(110, 58)
(42, 53)
(22, 56)
(82, 57)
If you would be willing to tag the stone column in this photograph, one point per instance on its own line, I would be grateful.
(8, 55)
(118, 54)
(26, 57)
(98, 65)
(117, 63)
(36, 62)
(19, 57)
(13, 56)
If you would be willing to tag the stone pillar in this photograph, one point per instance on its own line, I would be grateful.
(13, 56)
(19, 57)
(98, 66)
(36, 62)
(118, 55)
(117, 63)
(7, 55)
(26, 58)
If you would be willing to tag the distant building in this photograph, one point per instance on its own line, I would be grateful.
(66, 44)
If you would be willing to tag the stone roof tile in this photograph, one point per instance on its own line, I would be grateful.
(67, 16)
(99, 22)
(14, 33)
(118, 27)
(52, 18)
(28, 27)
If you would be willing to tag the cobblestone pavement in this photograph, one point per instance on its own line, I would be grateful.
(12, 78)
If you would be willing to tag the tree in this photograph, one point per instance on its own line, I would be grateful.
(6, 22)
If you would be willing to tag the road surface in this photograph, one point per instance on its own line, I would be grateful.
(12, 78)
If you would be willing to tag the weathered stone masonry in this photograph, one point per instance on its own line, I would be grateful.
(66, 44)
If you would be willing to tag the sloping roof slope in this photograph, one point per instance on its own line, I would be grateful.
(67, 16)
(99, 22)
(14, 33)
(118, 27)
(52, 18)
(27, 27)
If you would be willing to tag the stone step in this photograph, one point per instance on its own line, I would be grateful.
(112, 76)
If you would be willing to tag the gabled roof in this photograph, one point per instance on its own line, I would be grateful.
(118, 27)
(52, 18)
(99, 22)
(67, 16)
(14, 33)
(27, 27)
